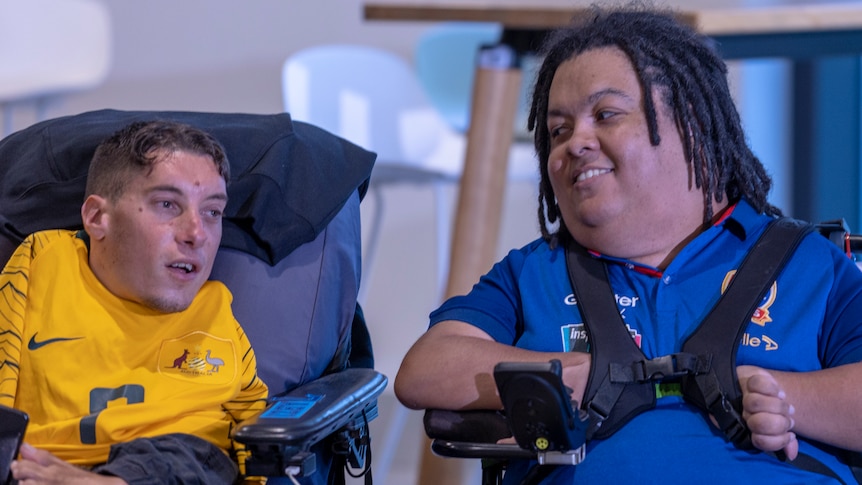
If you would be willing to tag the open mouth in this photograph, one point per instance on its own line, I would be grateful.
(186, 267)
(595, 172)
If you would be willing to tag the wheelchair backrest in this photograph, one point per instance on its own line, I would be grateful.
(291, 246)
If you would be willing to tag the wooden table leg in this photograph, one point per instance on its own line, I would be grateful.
(480, 200)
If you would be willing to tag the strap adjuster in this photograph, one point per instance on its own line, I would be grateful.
(665, 367)
(721, 408)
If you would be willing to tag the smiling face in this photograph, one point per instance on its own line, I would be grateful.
(156, 243)
(618, 194)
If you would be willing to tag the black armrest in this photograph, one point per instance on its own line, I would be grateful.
(474, 434)
(538, 412)
(478, 426)
(471, 434)
(279, 438)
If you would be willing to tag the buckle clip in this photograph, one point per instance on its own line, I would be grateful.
(664, 367)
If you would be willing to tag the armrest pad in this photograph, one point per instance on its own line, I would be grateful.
(471, 434)
(311, 412)
(477, 426)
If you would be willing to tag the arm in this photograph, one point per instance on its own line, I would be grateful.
(181, 457)
(40, 467)
(14, 287)
(451, 367)
(251, 399)
(822, 405)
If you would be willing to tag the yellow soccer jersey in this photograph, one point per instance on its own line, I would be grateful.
(92, 369)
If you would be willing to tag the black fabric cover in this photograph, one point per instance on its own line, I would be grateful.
(172, 459)
(288, 179)
(298, 313)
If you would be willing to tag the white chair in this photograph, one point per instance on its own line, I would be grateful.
(372, 98)
(49, 48)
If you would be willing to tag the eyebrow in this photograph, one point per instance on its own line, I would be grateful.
(595, 97)
(175, 190)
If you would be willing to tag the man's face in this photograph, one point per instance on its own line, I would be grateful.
(617, 193)
(156, 244)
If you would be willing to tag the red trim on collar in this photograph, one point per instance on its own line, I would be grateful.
(646, 270)
(654, 272)
(724, 214)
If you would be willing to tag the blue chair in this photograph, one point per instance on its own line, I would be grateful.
(445, 59)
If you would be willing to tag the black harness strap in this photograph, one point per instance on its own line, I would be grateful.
(622, 380)
(717, 390)
(605, 327)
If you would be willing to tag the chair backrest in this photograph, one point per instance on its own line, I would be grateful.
(366, 95)
(445, 58)
(298, 313)
(290, 250)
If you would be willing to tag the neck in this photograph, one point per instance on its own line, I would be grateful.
(719, 210)
(655, 244)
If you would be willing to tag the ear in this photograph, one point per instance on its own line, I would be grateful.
(95, 216)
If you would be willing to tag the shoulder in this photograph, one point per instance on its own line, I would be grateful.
(46, 242)
(536, 252)
(534, 256)
(522, 269)
(214, 292)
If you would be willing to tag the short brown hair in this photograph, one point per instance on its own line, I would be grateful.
(135, 148)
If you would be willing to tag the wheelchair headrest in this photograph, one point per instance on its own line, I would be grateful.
(288, 178)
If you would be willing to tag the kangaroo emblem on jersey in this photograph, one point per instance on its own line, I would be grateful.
(179, 361)
(199, 356)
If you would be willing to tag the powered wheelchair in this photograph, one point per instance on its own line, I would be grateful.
(542, 422)
(290, 255)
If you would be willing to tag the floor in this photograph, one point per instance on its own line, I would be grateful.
(396, 440)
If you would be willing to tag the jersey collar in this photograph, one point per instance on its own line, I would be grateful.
(738, 218)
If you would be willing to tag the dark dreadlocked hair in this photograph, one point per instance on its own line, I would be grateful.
(692, 80)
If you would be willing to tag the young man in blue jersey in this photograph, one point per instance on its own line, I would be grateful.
(127, 359)
(644, 163)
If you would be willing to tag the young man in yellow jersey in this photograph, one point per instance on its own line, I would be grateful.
(128, 360)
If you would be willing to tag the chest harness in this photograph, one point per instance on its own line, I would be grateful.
(622, 382)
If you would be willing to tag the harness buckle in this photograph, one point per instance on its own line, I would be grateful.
(666, 366)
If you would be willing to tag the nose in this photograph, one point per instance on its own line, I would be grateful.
(583, 140)
(192, 231)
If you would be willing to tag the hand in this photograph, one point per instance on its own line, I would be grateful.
(768, 415)
(39, 467)
(576, 373)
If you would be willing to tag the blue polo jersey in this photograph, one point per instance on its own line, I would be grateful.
(810, 319)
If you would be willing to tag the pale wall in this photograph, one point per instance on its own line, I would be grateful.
(226, 55)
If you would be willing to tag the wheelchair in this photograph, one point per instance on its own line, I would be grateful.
(538, 413)
(290, 255)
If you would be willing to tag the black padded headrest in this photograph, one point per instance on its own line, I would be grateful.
(288, 178)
